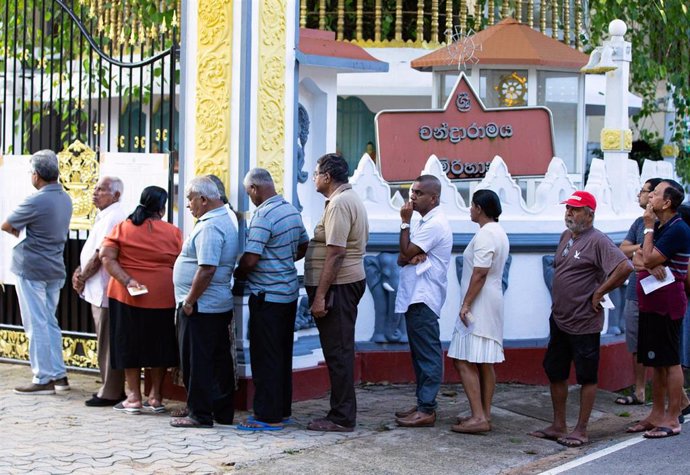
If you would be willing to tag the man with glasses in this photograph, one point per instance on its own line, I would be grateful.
(630, 246)
(587, 266)
(334, 279)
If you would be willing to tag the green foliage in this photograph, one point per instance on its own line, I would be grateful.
(659, 32)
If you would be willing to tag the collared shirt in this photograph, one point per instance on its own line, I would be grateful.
(212, 242)
(581, 265)
(45, 215)
(345, 224)
(672, 240)
(432, 234)
(96, 285)
(275, 233)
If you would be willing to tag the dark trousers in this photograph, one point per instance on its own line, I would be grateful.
(271, 331)
(337, 335)
(427, 354)
(207, 365)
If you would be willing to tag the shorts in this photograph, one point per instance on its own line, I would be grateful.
(565, 348)
(659, 341)
(631, 313)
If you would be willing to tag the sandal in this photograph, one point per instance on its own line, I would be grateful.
(258, 426)
(629, 401)
(128, 407)
(189, 423)
(183, 412)
(156, 409)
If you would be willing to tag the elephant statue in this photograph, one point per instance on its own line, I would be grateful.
(504, 278)
(383, 275)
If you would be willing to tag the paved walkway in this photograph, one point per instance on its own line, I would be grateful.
(58, 434)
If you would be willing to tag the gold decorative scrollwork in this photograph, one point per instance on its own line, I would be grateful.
(512, 90)
(616, 140)
(78, 352)
(271, 103)
(214, 82)
(79, 174)
(670, 150)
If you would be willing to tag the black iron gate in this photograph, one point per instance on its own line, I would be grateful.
(101, 72)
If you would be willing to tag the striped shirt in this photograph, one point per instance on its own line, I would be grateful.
(672, 240)
(275, 233)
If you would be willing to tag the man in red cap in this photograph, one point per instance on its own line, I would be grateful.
(587, 266)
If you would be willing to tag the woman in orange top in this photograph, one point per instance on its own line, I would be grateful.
(139, 254)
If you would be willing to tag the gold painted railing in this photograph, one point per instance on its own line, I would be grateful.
(430, 23)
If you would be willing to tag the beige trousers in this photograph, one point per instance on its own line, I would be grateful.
(113, 379)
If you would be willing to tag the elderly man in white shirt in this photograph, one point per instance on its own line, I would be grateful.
(90, 280)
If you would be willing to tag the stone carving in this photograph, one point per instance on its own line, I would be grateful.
(616, 139)
(304, 318)
(302, 137)
(459, 261)
(499, 180)
(555, 188)
(213, 91)
(79, 174)
(383, 277)
(598, 184)
(271, 89)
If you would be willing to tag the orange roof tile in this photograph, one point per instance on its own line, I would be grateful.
(510, 42)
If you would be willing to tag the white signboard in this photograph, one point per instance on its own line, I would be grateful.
(137, 171)
(15, 185)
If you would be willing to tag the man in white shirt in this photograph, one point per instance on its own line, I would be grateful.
(90, 280)
(424, 256)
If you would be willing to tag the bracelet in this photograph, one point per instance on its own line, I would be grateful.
(187, 304)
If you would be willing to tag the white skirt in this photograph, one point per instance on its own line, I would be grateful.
(475, 349)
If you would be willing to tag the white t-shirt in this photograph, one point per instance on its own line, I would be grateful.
(432, 234)
(96, 285)
(488, 249)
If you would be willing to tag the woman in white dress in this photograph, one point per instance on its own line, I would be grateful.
(478, 337)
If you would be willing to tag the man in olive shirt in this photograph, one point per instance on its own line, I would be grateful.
(335, 281)
(43, 220)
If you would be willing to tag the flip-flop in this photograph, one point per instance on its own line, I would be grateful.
(640, 427)
(629, 401)
(147, 406)
(540, 434)
(285, 421)
(663, 431)
(120, 407)
(258, 426)
(188, 423)
(571, 442)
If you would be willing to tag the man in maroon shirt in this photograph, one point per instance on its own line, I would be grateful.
(587, 266)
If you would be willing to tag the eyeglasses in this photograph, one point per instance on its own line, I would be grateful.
(644, 191)
(316, 173)
(567, 247)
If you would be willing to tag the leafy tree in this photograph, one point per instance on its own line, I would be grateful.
(659, 31)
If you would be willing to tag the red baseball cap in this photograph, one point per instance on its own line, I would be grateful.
(580, 199)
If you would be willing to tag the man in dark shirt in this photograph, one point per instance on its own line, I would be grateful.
(667, 244)
(588, 265)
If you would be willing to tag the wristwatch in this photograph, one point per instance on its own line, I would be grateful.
(404, 226)
(187, 304)
(647, 230)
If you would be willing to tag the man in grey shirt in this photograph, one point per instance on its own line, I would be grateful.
(41, 221)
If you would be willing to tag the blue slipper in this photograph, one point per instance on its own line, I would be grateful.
(258, 426)
(286, 420)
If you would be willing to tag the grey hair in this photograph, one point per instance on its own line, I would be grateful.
(203, 186)
(258, 177)
(116, 184)
(45, 164)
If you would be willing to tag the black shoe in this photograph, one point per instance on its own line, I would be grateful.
(96, 401)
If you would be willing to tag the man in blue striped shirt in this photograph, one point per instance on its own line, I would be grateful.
(275, 240)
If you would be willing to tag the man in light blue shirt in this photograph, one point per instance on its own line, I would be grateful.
(276, 239)
(202, 276)
(42, 220)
